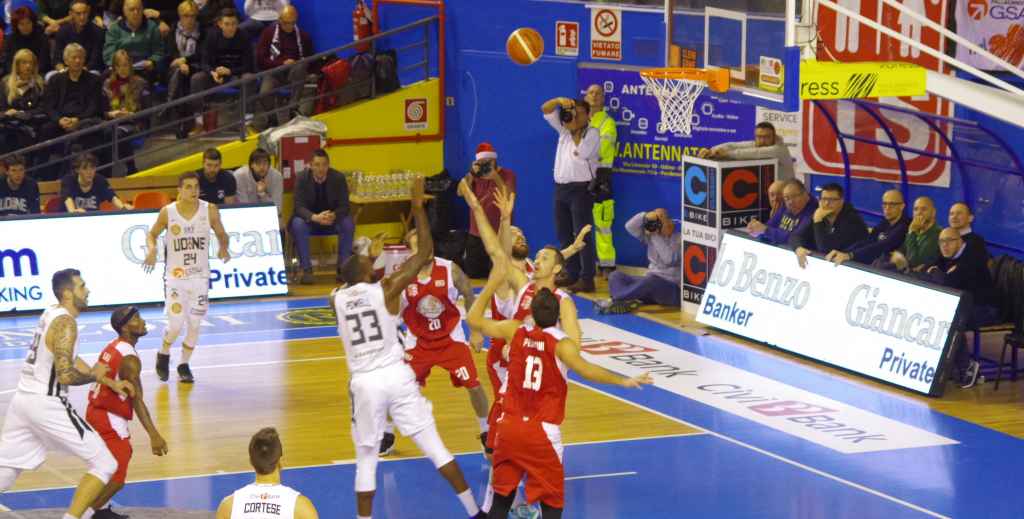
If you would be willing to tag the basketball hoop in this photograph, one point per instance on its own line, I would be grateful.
(677, 90)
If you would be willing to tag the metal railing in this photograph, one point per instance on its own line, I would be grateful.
(241, 89)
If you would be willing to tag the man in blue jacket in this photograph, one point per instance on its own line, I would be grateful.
(794, 219)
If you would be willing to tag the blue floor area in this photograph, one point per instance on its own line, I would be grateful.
(743, 469)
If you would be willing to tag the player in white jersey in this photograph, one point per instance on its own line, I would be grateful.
(186, 269)
(266, 498)
(40, 416)
(382, 383)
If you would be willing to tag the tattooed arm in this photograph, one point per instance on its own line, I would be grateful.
(60, 339)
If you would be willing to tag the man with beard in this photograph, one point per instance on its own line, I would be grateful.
(40, 417)
(110, 413)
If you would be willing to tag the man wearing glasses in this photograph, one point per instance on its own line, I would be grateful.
(789, 223)
(884, 238)
(836, 226)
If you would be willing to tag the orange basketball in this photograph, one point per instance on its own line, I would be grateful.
(524, 46)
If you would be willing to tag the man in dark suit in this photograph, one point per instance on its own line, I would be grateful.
(321, 204)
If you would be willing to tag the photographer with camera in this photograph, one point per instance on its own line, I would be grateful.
(485, 178)
(576, 163)
(661, 283)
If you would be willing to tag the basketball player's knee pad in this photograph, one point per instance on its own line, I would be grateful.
(366, 469)
(103, 466)
(430, 443)
(8, 476)
(192, 331)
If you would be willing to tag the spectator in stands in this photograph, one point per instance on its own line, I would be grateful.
(261, 14)
(576, 161)
(140, 37)
(185, 44)
(791, 221)
(226, 56)
(321, 204)
(966, 269)
(216, 185)
(210, 13)
(660, 285)
(19, 194)
(124, 94)
(259, 182)
(921, 247)
(21, 96)
(26, 34)
(83, 191)
(766, 145)
(960, 218)
(485, 176)
(73, 101)
(53, 13)
(280, 46)
(164, 13)
(86, 34)
(836, 226)
(883, 239)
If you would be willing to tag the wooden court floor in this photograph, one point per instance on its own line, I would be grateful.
(300, 387)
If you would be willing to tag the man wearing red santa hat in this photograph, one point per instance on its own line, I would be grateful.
(485, 176)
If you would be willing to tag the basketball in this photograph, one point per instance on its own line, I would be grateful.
(524, 46)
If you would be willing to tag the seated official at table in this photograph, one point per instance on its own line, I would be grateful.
(887, 236)
(836, 226)
(791, 221)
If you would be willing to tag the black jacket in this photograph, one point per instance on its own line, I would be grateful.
(305, 194)
(971, 275)
(56, 91)
(842, 234)
(37, 42)
(883, 239)
(235, 54)
(91, 39)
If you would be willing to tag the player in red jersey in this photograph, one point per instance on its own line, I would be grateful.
(527, 440)
(109, 413)
(431, 313)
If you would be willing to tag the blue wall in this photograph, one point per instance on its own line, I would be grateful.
(498, 101)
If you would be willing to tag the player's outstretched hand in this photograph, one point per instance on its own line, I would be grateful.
(476, 340)
(417, 190)
(582, 236)
(505, 200)
(223, 254)
(150, 263)
(158, 444)
(636, 382)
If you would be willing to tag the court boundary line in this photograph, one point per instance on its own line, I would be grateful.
(778, 457)
(336, 463)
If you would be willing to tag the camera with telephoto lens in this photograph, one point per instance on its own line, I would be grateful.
(652, 225)
(482, 169)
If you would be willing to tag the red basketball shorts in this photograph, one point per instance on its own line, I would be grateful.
(453, 356)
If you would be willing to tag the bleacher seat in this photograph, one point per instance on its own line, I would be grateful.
(151, 200)
(107, 206)
(53, 206)
(1011, 281)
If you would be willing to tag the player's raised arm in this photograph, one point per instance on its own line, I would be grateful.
(465, 288)
(476, 319)
(568, 319)
(397, 281)
(151, 240)
(130, 370)
(222, 236)
(487, 235)
(568, 352)
(579, 243)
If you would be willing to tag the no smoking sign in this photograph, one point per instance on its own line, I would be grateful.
(606, 34)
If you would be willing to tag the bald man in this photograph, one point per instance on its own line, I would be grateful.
(281, 45)
(961, 218)
(884, 238)
(966, 269)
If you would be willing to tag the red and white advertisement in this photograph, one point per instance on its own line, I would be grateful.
(606, 33)
(567, 39)
(847, 40)
(994, 25)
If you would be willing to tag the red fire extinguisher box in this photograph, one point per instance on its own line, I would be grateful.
(295, 154)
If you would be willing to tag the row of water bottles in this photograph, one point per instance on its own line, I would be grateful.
(396, 184)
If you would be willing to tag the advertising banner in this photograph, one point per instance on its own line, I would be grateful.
(881, 327)
(644, 147)
(845, 40)
(994, 25)
(717, 196)
(109, 249)
(831, 80)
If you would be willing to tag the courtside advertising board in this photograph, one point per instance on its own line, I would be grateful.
(109, 249)
(851, 317)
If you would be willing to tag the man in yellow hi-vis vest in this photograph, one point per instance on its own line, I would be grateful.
(601, 186)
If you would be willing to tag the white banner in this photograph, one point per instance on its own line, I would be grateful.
(878, 326)
(994, 25)
(803, 414)
(109, 248)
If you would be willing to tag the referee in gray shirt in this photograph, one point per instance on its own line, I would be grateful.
(576, 163)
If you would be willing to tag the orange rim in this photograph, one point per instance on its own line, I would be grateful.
(716, 78)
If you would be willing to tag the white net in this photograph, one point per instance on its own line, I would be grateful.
(676, 98)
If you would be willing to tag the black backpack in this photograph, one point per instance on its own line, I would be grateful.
(386, 72)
